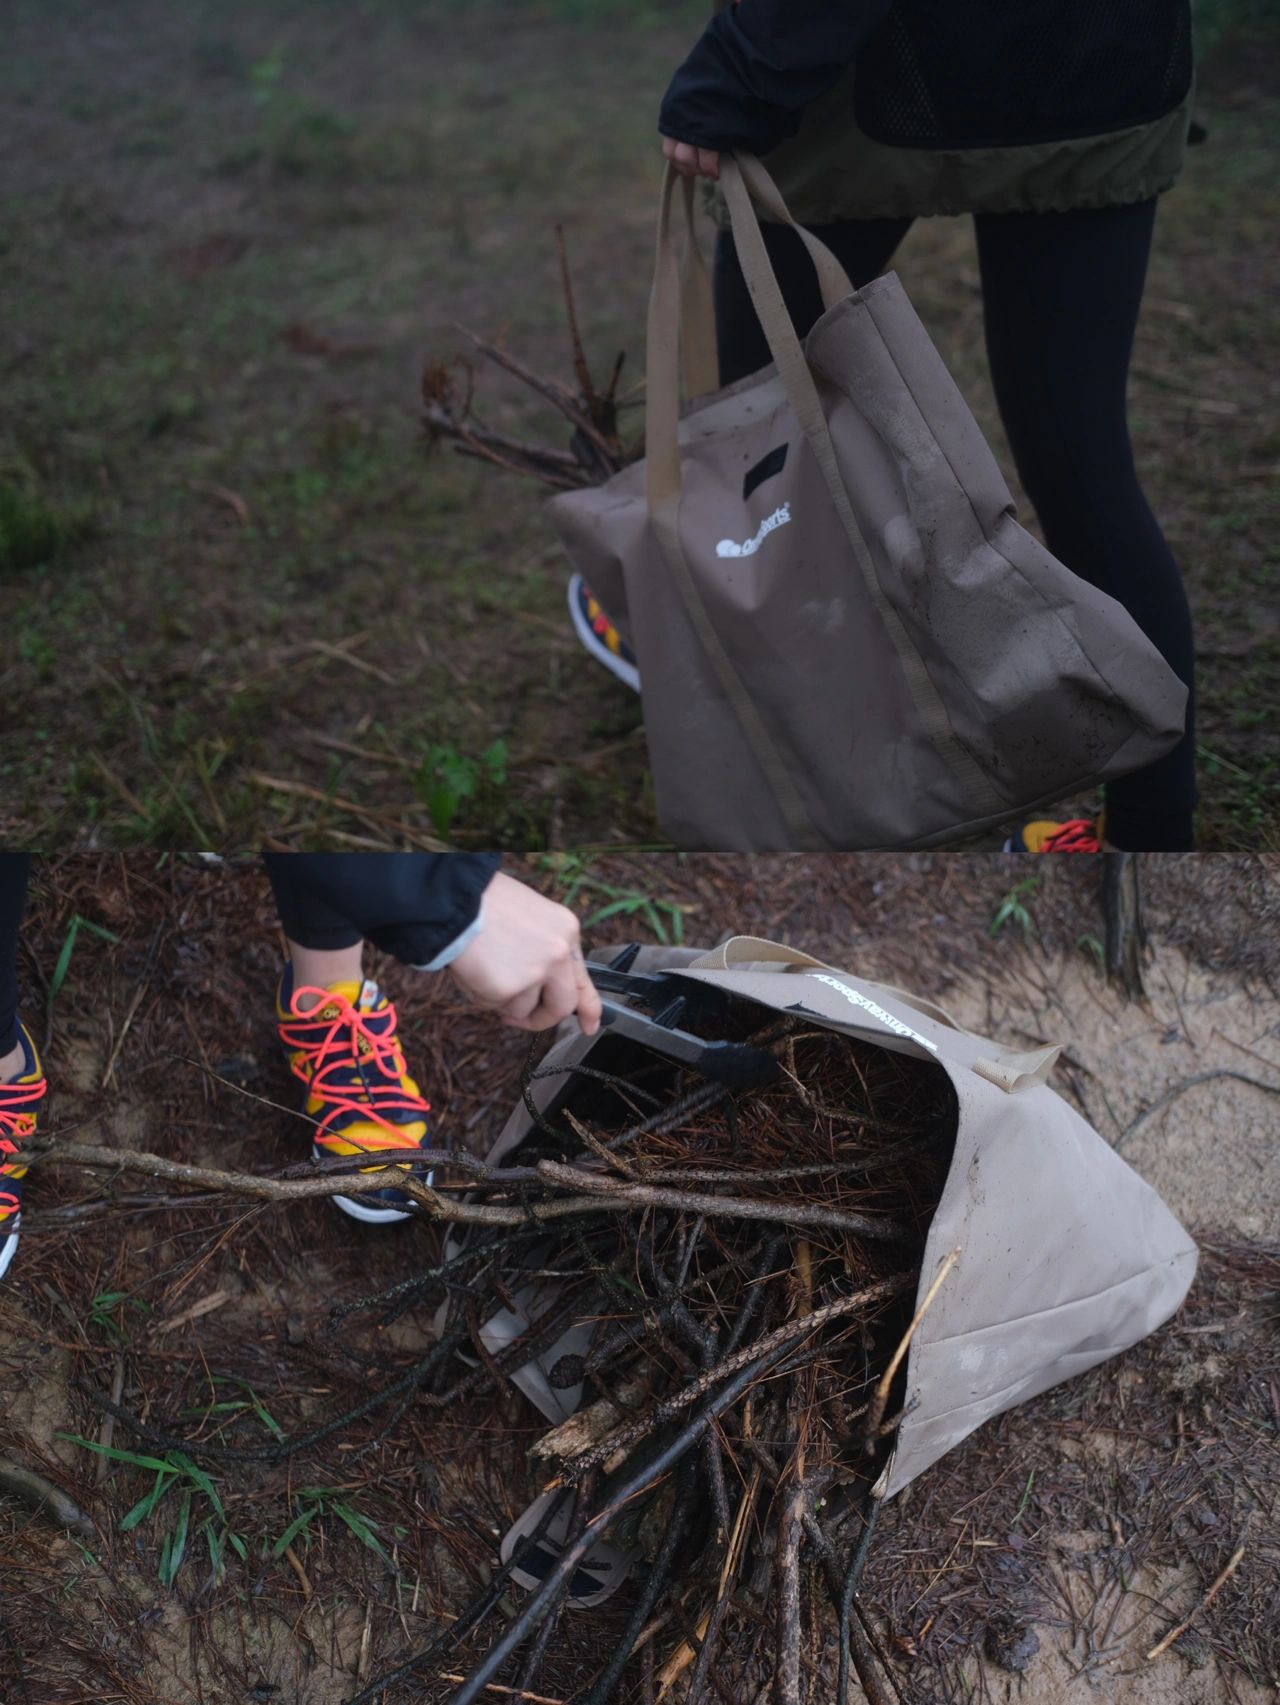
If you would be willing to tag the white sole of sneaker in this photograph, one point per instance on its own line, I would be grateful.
(625, 672)
(8, 1249)
(355, 1208)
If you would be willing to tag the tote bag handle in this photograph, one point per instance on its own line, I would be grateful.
(697, 310)
(663, 486)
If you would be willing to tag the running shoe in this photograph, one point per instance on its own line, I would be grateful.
(1077, 835)
(601, 638)
(19, 1101)
(346, 1052)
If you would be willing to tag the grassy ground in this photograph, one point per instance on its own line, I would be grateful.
(229, 236)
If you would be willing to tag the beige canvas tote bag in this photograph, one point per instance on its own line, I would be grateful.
(845, 639)
(1058, 1255)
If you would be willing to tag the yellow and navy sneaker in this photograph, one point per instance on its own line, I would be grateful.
(19, 1101)
(345, 1050)
(1077, 835)
(601, 638)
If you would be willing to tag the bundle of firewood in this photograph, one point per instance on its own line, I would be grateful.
(748, 1284)
(593, 450)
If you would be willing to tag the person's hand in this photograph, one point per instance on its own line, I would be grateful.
(692, 162)
(527, 963)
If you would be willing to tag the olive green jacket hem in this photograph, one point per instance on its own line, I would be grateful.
(831, 170)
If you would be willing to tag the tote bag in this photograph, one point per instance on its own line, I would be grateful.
(1057, 1254)
(844, 637)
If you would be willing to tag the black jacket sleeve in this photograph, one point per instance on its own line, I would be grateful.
(411, 905)
(758, 65)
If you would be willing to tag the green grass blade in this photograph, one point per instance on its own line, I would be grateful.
(268, 1420)
(101, 931)
(625, 907)
(176, 1544)
(201, 1479)
(63, 962)
(213, 1539)
(153, 1462)
(298, 1525)
(146, 1505)
(361, 1528)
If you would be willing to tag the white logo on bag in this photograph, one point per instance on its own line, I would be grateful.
(779, 518)
(885, 1018)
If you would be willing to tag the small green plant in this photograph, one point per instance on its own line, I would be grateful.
(174, 1471)
(249, 1403)
(1026, 1499)
(447, 778)
(104, 1314)
(1014, 909)
(311, 1504)
(296, 135)
(33, 533)
(664, 917)
(265, 75)
(1091, 945)
(63, 964)
(29, 530)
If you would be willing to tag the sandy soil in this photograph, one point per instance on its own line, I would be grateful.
(1210, 1149)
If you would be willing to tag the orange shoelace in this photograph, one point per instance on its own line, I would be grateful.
(16, 1122)
(1077, 836)
(350, 1061)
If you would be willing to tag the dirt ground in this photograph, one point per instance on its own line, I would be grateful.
(1041, 1560)
(245, 601)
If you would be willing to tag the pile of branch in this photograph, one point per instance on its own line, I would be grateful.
(594, 451)
(750, 1281)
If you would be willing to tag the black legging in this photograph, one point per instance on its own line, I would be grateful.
(14, 870)
(411, 905)
(1061, 294)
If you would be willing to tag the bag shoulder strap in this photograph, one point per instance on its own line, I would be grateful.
(697, 310)
(1008, 1070)
(663, 485)
(742, 950)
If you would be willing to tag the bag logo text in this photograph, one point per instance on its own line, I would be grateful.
(779, 518)
(878, 1012)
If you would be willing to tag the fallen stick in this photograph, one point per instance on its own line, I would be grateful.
(602, 1195)
(875, 1414)
(1178, 1089)
(507, 1692)
(1177, 1633)
(40, 1494)
(379, 819)
(728, 1207)
(265, 1187)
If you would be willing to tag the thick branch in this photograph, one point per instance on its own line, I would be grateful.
(730, 1207)
(434, 1204)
